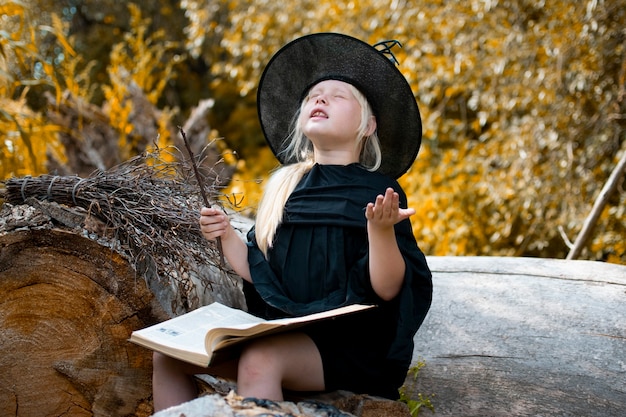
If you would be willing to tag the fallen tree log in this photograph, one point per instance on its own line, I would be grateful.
(524, 337)
(69, 300)
(505, 336)
(232, 405)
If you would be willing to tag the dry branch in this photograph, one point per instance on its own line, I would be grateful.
(603, 198)
(205, 198)
(148, 204)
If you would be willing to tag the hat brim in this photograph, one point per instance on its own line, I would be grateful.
(303, 62)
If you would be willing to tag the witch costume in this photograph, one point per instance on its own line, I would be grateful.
(319, 256)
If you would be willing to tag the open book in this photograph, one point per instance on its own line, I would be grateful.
(200, 335)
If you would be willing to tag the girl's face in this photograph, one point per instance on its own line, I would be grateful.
(331, 116)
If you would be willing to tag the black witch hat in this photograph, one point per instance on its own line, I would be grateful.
(300, 64)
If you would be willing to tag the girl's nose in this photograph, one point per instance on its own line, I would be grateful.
(320, 99)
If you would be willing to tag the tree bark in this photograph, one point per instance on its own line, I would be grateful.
(67, 308)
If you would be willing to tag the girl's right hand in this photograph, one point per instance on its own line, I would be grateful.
(214, 223)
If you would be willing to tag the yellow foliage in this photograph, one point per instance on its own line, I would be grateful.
(522, 105)
(138, 62)
(26, 136)
(246, 186)
(515, 99)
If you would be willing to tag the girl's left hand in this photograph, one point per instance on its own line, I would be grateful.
(386, 211)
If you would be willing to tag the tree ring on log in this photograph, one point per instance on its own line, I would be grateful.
(67, 308)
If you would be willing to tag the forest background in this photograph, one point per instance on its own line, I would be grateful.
(523, 102)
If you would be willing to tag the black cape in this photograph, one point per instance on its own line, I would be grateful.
(319, 258)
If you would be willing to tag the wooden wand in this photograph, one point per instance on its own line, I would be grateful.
(207, 203)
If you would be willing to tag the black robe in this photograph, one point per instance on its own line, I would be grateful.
(319, 261)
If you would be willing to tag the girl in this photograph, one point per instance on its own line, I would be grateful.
(332, 229)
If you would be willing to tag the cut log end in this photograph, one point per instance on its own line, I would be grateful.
(67, 309)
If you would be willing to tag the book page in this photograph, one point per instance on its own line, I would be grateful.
(222, 337)
(186, 333)
(196, 335)
(322, 314)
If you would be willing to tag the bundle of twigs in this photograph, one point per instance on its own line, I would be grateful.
(150, 205)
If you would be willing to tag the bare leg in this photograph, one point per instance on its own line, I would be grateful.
(288, 360)
(173, 380)
(266, 366)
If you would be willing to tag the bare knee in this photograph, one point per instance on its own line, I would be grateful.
(161, 362)
(157, 358)
(258, 359)
(289, 360)
(260, 372)
(166, 365)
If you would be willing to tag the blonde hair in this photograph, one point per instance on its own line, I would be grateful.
(283, 181)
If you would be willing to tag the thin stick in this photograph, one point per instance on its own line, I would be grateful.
(603, 198)
(207, 203)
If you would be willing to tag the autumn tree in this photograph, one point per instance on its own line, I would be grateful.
(522, 102)
(26, 136)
